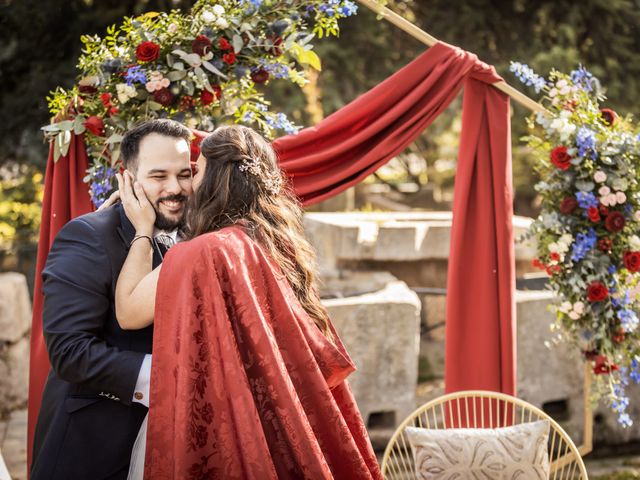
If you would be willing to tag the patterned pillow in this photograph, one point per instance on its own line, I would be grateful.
(509, 453)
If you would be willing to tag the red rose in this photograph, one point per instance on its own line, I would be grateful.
(275, 50)
(105, 98)
(551, 269)
(224, 44)
(568, 205)
(229, 58)
(114, 111)
(536, 263)
(602, 365)
(605, 244)
(206, 97)
(560, 158)
(608, 116)
(201, 45)
(94, 125)
(615, 222)
(217, 91)
(632, 261)
(163, 96)
(555, 257)
(596, 292)
(594, 214)
(147, 51)
(604, 211)
(260, 76)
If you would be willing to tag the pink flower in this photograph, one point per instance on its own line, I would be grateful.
(604, 190)
(611, 199)
(621, 197)
(600, 176)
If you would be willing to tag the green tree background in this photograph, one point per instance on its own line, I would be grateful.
(39, 47)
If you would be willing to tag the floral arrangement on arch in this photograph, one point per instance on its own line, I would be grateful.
(587, 234)
(201, 68)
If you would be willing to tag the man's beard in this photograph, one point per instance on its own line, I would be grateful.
(165, 223)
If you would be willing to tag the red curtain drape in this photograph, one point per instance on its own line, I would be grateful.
(65, 197)
(349, 145)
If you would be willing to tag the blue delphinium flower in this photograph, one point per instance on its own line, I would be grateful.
(628, 320)
(582, 78)
(620, 402)
(586, 200)
(135, 74)
(248, 116)
(586, 141)
(101, 184)
(348, 8)
(281, 122)
(583, 244)
(526, 75)
(634, 374)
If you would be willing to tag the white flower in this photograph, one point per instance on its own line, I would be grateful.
(604, 190)
(634, 243)
(636, 216)
(218, 10)
(621, 197)
(561, 83)
(600, 176)
(566, 114)
(565, 307)
(208, 16)
(125, 92)
(553, 92)
(578, 307)
(172, 28)
(573, 315)
(222, 23)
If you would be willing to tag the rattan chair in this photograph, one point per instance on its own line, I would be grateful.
(480, 409)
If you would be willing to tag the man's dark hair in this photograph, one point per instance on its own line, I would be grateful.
(130, 145)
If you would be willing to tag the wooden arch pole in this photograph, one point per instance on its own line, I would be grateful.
(521, 98)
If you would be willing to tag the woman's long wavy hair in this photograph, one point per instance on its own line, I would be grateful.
(262, 201)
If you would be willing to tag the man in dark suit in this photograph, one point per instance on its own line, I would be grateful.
(96, 394)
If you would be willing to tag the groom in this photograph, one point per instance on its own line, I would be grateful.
(96, 395)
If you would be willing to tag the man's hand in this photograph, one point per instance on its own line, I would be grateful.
(136, 205)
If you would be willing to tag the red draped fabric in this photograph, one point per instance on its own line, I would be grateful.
(244, 385)
(349, 145)
(65, 197)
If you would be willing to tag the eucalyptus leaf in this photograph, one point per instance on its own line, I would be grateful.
(585, 186)
(213, 69)
(176, 75)
(189, 87)
(51, 128)
(178, 66)
(65, 125)
(115, 138)
(115, 156)
(154, 105)
(238, 43)
(78, 126)
(56, 152)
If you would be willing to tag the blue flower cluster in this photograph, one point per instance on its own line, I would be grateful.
(621, 402)
(281, 122)
(635, 370)
(582, 78)
(526, 75)
(583, 244)
(277, 69)
(345, 8)
(586, 141)
(135, 74)
(586, 200)
(628, 320)
(101, 185)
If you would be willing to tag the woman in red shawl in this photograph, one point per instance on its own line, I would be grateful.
(248, 375)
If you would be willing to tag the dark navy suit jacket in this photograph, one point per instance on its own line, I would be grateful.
(88, 423)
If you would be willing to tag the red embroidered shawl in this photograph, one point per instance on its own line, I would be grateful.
(243, 384)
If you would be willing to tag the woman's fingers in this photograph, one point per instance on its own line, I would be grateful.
(113, 198)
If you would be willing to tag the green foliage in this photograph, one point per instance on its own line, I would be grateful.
(20, 199)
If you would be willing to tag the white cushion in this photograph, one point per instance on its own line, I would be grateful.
(511, 453)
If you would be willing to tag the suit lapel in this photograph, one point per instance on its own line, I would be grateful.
(126, 232)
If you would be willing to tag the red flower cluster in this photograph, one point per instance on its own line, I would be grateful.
(229, 58)
(105, 98)
(206, 97)
(224, 44)
(560, 158)
(148, 51)
(597, 291)
(602, 365)
(605, 244)
(594, 214)
(163, 96)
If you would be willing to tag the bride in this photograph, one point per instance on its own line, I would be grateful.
(248, 374)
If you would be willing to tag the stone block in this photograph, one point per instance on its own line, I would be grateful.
(15, 307)
(14, 374)
(381, 331)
